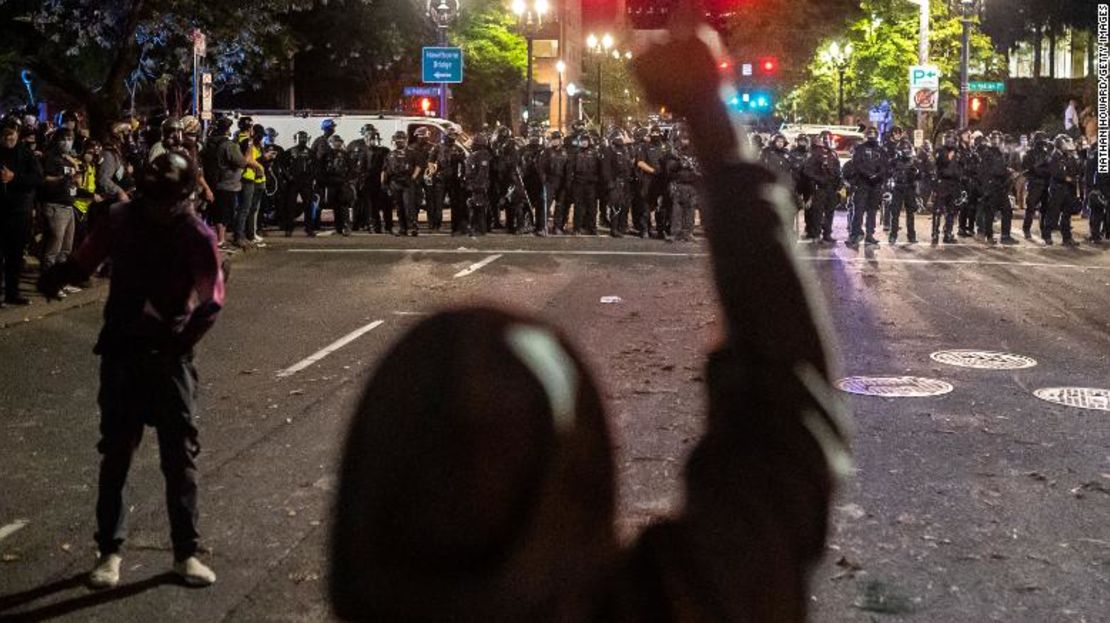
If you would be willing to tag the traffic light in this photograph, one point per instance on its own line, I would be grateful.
(753, 102)
(425, 105)
(768, 65)
(976, 106)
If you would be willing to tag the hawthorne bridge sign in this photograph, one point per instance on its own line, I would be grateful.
(442, 65)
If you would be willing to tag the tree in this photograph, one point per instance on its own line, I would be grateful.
(621, 96)
(496, 58)
(88, 51)
(884, 44)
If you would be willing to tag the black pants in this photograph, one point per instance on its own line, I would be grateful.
(403, 199)
(1061, 201)
(620, 201)
(381, 209)
(556, 193)
(944, 205)
(684, 205)
(865, 201)
(139, 389)
(968, 213)
(478, 205)
(339, 198)
(437, 201)
(585, 207)
(1036, 200)
(822, 209)
(990, 204)
(1100, 220)
(651, 192)
(289, 209)
(14, 229)
(903, 200)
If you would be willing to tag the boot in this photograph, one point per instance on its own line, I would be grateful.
(106, 572)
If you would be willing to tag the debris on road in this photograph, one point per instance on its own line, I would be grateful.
(611, 300)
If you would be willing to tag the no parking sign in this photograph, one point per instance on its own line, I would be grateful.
(924, 88)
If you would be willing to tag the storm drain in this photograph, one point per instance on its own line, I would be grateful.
(983, 359)
(893, 386)
(1078, 397)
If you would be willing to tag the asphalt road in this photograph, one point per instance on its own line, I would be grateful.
(982, 504)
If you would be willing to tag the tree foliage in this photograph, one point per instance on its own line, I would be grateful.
(621, 96)
(495, 57)
(884, 42)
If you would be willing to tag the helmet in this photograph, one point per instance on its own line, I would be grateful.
(655, 133)
(640, 134)
(400, 138)
(871, 133)
(556, 135)
(502, 134)
(451, 136)
(578, 127)
(775, 140)
(169, 178)
(421, 133)
(327, 124)
(949, 139)
(190, 125)
(979, 140)
(301, 137)
(897, 131)
(905, 149)
(479, 141)
(801, 140)
(535, 135)
(1064, 143)
(616, 137)
(997, 139)
(367, 131)
(173, 124)
(757, 141)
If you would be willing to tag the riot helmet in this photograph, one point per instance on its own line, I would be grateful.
(327, 126)
(871, 134)
(169, 178)
(172, 132)
(400, 139)
(905, 149)
(655, 134)
(301, 138)
(778, 141)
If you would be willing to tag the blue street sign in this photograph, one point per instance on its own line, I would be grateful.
(442, 65)
(421, 91)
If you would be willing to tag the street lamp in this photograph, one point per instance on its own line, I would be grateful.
(529, 15)
(599, 47)
(442, 13)
(560, 68)
(838, 57)
(967, 9)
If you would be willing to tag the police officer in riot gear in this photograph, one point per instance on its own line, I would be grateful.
(339, 176)
(369, 160)
(994, 182)
(1063, 189)
(297, 167)
(1037, 174)
(553, 167)
(447, 163)
(904, 175)
(531, 159)
(479, 171)
(949, 188)
(683, 173)
(400, 178)
(619, 178)
(869, 176)
(822, 170)
(1098, 199)
(776, 157)
(653, 183)
(583, 173)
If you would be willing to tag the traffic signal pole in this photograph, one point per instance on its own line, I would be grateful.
(964, 61)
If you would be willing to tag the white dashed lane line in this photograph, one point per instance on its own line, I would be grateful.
(329, 349)
(476, 266)
(10, 529)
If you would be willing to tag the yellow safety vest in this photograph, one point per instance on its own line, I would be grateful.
(87, 184)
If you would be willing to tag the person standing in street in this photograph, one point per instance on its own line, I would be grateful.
(224, 164)
(297, 171)
(946, 205)
(166, 290)
(20, 177)
(400, 176)
(684, 174)
(1063, 190)
(447, 164)
(822, 169)
(339, 179)
(619, 179)
(59, 189)
(1098, 200)
(553, 166)
(479, 171)
(994, 181)
(1035, 166)
(905, 173)
(870, 173)
(583, 172)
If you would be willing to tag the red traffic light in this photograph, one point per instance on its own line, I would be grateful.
(976, 104)
(768, 65)
(425, 105)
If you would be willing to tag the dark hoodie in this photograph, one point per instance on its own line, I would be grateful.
(467, 504)
(17, 195)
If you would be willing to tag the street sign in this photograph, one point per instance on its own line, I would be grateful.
(924, 87)
(987, 87)
(420, 91)
(206, 97)
(442, 65)
(200, 42)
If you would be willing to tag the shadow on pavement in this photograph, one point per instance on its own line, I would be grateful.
(69, 606)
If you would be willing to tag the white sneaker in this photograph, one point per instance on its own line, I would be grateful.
(194, 572)
(257, 239)
(71, 289)
(106, 572)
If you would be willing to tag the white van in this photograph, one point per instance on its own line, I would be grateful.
(845, 137)
(347, 123)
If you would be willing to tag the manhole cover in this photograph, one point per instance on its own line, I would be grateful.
(1079, 397)
(893, 386)
(983, 359)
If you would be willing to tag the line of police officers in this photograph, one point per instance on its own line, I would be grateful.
(641, 184)
(968, 178)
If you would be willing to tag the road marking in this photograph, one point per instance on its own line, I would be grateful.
(803, 258)
(12, 528)
(411, 313)
(329, 349)
(476, 266)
